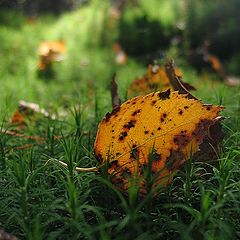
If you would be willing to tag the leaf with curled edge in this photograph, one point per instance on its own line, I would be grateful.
(161, 130)
(156, 79)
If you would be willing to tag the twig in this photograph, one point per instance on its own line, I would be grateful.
(78, 169)
(23, 146)
(21, 135)
(175, 80)
(34, 138)
(116, 101)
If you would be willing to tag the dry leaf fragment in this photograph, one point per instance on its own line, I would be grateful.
(156, 79)
(166, 127)
(26, 112)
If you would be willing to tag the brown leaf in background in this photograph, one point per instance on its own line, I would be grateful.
(27, 112)
(156, 79)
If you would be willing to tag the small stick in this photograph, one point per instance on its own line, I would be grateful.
(35, 138)
(175, 80)
(15, 134)
(78, 169)
(23, 147)
(116, 101)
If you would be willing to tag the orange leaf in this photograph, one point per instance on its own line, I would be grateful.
(161, 129)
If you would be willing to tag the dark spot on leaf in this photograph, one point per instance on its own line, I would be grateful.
(180, 112)
(164, 95)
(115, 110)
(182, 139)
(136, 112)
(130, 124)
(153, 102)
(146, 132)
(156, 156)
(114, 164)
(185, 107)
(123, 135)
(107, 116)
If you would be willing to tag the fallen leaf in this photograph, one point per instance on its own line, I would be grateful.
(49, 52)
(156, 79)
(161, 130)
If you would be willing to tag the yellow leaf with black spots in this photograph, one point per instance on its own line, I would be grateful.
(159, 131)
